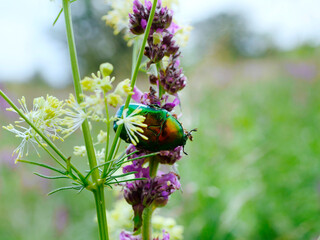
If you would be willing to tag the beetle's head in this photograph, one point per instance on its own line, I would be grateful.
(188, 135)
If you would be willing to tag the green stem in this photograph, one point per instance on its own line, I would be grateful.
(161, 90)
(153, 166)
(147, 212)
(133, 81)
(44, 137)
(147, 224)
(108, 125)
(78, 89)
(99, 192)
(101, 212)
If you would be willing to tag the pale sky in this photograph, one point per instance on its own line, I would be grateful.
(26, 46)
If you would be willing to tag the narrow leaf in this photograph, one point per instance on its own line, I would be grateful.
(43, 165)
(127, 180)
(64, 188)
(55, 21)
(49, 177)
(123, 175)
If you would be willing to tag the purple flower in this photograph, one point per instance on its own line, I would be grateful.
(150, 98)
(170, 156)
(124, 235)
(139, 18)
(142, 193)
(172, 78)
(173, 28)
(156, 51)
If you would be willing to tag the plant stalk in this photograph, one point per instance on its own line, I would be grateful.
(99, 192)
(101, 212)
(147, 212)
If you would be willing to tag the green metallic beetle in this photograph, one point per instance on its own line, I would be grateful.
(163, 130)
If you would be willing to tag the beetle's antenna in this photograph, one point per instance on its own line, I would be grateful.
(189, 134)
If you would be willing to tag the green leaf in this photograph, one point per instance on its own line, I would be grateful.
(64, 188)
(43, 165)
(55, 21)
(127, 180)
(123, 175)
(50, 177)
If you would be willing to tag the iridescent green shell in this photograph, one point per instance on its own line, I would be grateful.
(164, 131)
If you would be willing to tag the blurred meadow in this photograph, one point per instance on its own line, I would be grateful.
(253, 169)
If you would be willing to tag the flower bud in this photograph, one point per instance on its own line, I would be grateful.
(106, 69)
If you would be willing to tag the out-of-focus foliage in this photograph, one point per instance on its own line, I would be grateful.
(228, 36)
(254, 170)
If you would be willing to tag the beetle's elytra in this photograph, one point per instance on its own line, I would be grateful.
(164, 132)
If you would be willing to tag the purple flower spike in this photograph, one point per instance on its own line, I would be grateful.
(173, 28)
(124, 235)
(170, 156)
(137, 94)
(156, 51)
(172, 78)
(142, 193)
(139, 18)
(164, 186)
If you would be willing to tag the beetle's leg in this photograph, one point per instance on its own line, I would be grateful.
(184, 151)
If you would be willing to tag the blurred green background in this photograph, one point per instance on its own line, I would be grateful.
(253, 170)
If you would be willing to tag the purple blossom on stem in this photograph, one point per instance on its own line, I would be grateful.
(172, 78)
(150, 98)
(142, 193)
(157, 49)
(139, 18)
(124, 235)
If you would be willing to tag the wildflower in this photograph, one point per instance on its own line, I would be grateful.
(28, 139)
(133, 124)
(139, 18)
(100, 155)
(114, 99)
(46, 116)
(97, 82)
(124, 235)
(118, 16)
(160, 44)
(141, 194)
(172, 78)
(102, 137)
(123, 88)
(74, 116)
(170, 156)
(150, 98)
(106, 69)
(88, 84)
(79, 151)
(94, 104)
(182, 34)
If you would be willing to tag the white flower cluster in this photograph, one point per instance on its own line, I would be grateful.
(50, 116)
(100, 85)
(58, 119)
